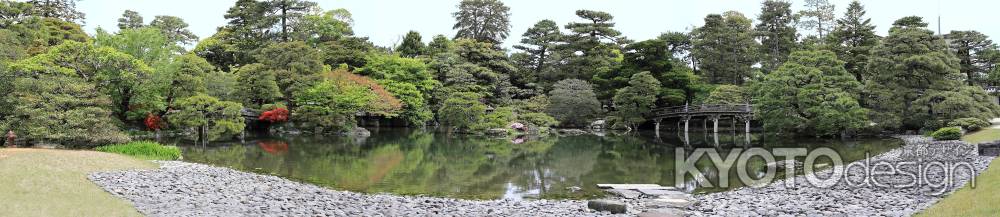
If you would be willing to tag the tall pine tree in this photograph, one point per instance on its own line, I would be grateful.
(725, 48)
(853, 39)
(777, 36)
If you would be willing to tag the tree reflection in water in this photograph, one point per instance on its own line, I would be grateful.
(419, 162)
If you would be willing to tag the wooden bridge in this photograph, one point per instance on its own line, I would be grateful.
(713, 112)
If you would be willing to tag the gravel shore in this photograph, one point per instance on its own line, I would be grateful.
(855, 198)
(188, 189)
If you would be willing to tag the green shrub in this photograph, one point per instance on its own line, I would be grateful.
(947, 133)
(500, 118)
(144, 149)
(970, 124)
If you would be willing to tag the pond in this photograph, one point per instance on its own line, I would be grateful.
(417, 162)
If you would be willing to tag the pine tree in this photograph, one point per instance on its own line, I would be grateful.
(539, 43)
(969, 47)
(777, 36)
(130, 20)
(482, 20)
(60, 9)
(852, 39)
(818, 15)
(910, 65)
(725, 48)
(412, 45)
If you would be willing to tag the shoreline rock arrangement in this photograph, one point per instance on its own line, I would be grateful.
(189, 189)
(852, 199)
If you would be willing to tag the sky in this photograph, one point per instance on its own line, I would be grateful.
(385, 22)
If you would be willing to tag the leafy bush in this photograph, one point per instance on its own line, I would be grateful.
(970, 124)
(947, 133)
(144, 149)
(500, 118)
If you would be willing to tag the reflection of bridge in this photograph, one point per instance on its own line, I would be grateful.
(713, 112)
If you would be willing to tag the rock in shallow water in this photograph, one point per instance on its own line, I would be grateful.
(607, 205)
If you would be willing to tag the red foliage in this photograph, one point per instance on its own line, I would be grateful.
(273, 147)
(153, 122)
(276, 115)
(384, 104)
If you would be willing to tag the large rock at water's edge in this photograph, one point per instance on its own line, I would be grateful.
(598, 124)
(607, 205)
(360, 132)
(989, 149)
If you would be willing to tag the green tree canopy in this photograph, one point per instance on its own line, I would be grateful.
(461, 110)
(636, 100)
(482, 20)
(811, 94)
(411, 46)
(853, 39)
(724, 48)
(910, 63)
(209, 118)
(776, 33)
(130, 20)
(174, 28)
(573, 102)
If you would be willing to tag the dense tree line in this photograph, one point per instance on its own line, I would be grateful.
(293, 58)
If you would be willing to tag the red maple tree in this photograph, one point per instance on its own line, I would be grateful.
(153, 122)
(276, 115)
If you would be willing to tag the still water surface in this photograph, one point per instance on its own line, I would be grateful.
(420, 162)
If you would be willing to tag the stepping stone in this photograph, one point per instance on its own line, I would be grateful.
(664, 212)
(627, 194)
(668, 203)
(612, 206)
(658, 192)
(634, 186)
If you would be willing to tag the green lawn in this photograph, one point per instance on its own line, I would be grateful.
(984, 135)
(40, 182)
(981, 201)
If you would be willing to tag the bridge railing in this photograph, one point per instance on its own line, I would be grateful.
(704, 108)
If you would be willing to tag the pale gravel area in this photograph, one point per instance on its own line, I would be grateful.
(189, 189)
(843, 199)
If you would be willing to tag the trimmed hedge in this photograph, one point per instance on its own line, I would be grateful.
(947, 133)
(144, 149)
(970, 124)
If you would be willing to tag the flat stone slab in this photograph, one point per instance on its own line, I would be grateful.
(624, 193)
(634, 186)
(658, 192)
(663, 212)
(668, 203)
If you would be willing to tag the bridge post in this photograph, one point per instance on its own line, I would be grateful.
(715, 123)
(657, 127)
(746, 123)
(686, 119)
